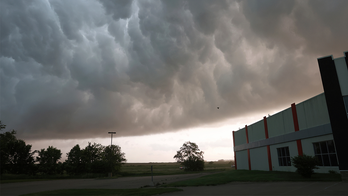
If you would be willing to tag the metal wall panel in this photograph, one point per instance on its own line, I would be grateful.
(256, 131)
(280, 123)
(242, 160)
(240, 137)
(259, 159)
(312, 112)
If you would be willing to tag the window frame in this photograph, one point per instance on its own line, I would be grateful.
(284, 158)
(327, 156)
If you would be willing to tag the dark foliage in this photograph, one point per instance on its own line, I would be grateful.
(190, 156)
(15, 155)
(16, 158)
(95, 158)
(305, 165)
(48, 161)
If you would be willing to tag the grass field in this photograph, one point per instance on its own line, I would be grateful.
(251, 176)
(127, 169)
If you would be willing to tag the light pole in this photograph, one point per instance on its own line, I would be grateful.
(111, 136)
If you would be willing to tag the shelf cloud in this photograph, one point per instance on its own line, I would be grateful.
(78, 69)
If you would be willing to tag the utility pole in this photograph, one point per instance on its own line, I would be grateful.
(111, 136)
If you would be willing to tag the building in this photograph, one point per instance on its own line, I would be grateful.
(317, 127)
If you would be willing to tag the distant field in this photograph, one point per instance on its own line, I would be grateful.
(143, 169)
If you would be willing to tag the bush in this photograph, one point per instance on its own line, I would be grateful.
(332, 172)
(305, 165)
(193, 164)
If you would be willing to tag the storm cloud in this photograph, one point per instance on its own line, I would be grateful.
(77, 69)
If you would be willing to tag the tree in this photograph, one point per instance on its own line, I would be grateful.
(113, 158)
(74, 163)
(305, 165)
(15, 155)
(48, 160)
(91, 158)
(94, 158)
(190, 156)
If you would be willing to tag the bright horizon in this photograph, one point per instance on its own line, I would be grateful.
(214, 140)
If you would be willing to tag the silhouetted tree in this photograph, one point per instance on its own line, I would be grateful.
(190, 156)
(92, 158)
(48, 160)
(16, 157)
(74, 163)
(113, 157)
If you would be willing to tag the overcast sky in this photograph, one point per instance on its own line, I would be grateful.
(74, 70)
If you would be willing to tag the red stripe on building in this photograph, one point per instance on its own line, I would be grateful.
(294, 117)
(266, 127)
(268, 148)
(297, 128)
(269, 158)
(234, 145)
(246, 131)
(247, 140)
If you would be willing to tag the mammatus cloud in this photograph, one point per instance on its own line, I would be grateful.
(78, 69)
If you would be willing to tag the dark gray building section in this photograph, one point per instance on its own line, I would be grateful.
(336, 108)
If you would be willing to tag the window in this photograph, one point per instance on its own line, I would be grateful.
(326, 153)
(284, 156)
(345, 100)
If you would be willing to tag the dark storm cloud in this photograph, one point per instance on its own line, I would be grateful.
(78, 69)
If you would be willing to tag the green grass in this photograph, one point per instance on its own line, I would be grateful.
(251, 176)
(127, 170)
(114, 192)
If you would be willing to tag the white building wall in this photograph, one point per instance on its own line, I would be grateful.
(312, 112)
(259, 159)
(280, 123)
(308, 149)
(242, 159)
(342, 73)
(240, 137)
(256, 131)
(293, 152)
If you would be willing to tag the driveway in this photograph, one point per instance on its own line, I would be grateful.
(119, 183)
(233, 188)
(268, 188)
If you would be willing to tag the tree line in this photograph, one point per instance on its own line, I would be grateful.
(17, 157)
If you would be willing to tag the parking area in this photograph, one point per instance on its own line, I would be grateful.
(233, 188)
(268, 188)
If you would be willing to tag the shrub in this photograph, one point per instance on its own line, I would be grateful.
(305, 165)
(332, 172)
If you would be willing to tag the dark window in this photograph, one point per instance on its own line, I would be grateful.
(345, 100)
(284, 156)
(325, 153)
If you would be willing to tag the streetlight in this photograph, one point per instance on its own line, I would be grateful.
(111, 136)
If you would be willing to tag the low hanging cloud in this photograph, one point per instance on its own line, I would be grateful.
(77, 69)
